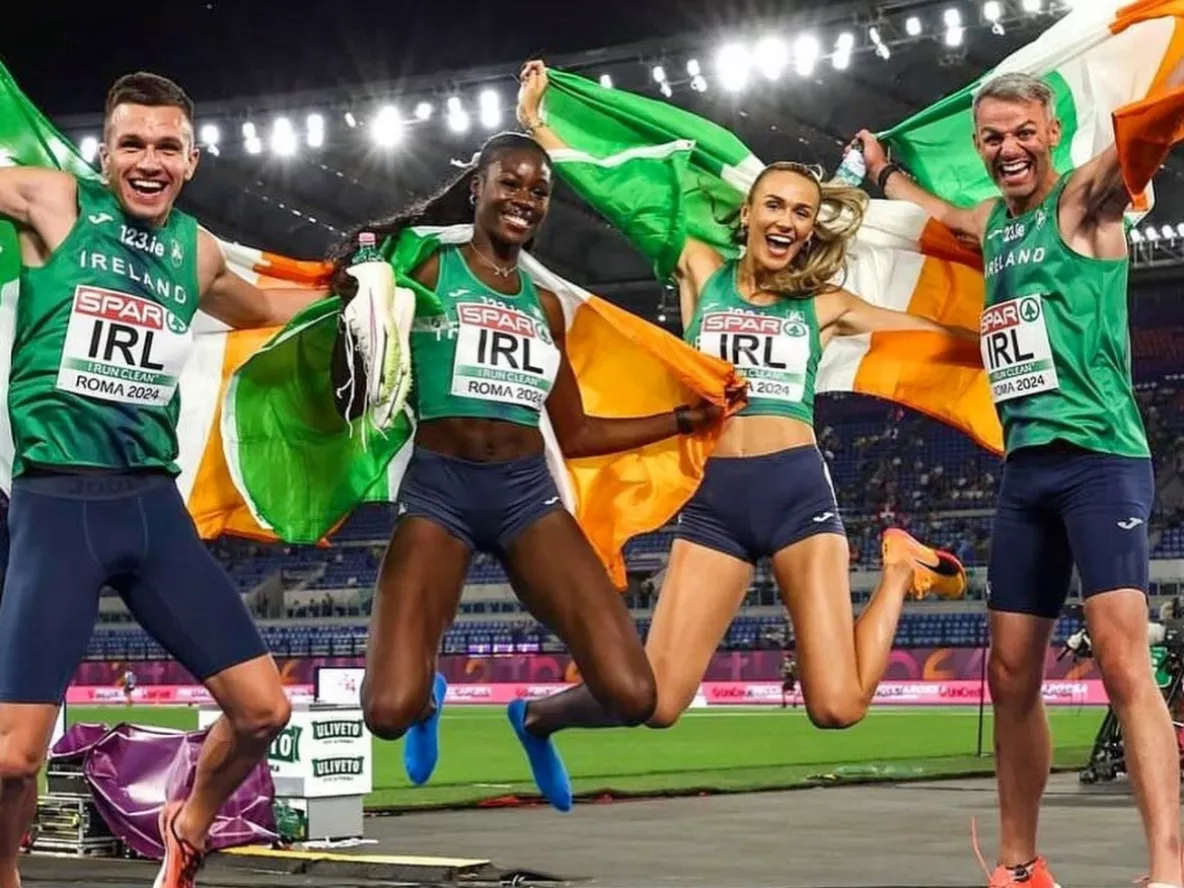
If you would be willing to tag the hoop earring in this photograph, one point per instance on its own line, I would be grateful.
(472, 199)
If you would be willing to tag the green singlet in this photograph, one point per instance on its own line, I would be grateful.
(777, 347)
(102, 334)
(1055, 337)
(488, 355)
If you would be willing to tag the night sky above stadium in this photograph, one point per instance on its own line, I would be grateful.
(220, 49)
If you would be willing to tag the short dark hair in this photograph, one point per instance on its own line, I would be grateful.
(144, 88)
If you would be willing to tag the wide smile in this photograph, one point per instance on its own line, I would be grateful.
(1013, 172)
(147, 188)
(779, 245)
(517, 220)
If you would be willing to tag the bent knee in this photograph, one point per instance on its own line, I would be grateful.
(263, 721)
(632, 698)
(389, 713)
(667, 713)
(836, 712)
(19, 764)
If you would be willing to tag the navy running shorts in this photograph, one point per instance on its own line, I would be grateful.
(485, 505)
(71, 535)
(1060, 505)
(754, 506)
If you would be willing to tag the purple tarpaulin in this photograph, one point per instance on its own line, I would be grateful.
(132, 771)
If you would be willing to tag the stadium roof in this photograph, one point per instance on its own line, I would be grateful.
(300, 203)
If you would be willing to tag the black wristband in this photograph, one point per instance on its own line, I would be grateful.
(885, 173)
(682, 418)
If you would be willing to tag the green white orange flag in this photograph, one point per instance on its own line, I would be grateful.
(661, 174)
(264, 453)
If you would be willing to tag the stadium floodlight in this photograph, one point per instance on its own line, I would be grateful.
(314, 130)
(253, 144)
(912, 26)
(490, 111)
(1135, 236)
(209, 134)
(954, 36)
(664, 89)
(882, 49)
(423, 111)
(952, 18)
(771, 55)
(659, 74)
(387, 128)
(693, 69)
(1169, 232)
(458, 118)
(606, 80)
(350, 120)
(249, 131)
(806, 50)
(699, 83)
(1150, 233)
(283, 137)
(89, 146)
(1032, 5)
(732, 66)
(992, 11)
(843, 47)
(1180, 229)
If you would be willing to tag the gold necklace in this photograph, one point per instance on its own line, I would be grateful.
(500, 271)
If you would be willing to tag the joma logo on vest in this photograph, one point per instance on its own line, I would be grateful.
(1014, 257)
(340, 729)
(337, 767)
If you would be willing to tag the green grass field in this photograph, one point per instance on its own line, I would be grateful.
(720, 749)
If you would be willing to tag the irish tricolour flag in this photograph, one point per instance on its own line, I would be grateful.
(661, 174)
(263, 453)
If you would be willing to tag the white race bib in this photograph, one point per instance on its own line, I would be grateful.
(503, 355)
(1015, 349)
(773, 353)
(122, 348)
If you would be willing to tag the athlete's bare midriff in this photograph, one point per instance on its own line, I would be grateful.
(760, 435)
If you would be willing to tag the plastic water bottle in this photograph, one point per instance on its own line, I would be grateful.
(853, 170)
(367, 249)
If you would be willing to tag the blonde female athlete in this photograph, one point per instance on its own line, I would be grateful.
(766, 491)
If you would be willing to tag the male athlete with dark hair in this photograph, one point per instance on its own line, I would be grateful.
(112, 275)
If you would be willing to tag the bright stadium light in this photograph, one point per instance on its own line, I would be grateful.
(283, 137)
(606, 80)
(423, 111)
(1032, 5)
(659, 74)
(1169, 232)
(315, 130)
(699, 83)
(1135, 236)
(843, 46)
(806, 50)
(732, 66)
(209, 134)
(912, 26)
(249, 131)
(387, 129)
(1150, 233)
(693, 69)
(89, 146)
(490, 110)
(771, 55)
(1180, 229)
(882, 49)
(350, 120)
(458, 118)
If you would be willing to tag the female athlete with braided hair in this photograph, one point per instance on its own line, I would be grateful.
(478, 478)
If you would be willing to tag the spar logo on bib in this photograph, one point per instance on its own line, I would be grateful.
(121, 347)
(772, 352)
(1015, 349)
(503, 354)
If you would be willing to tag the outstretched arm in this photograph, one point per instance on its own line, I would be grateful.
(968, 224)
(849, 315)
(241, 305)
(697, 261)
(582, 435)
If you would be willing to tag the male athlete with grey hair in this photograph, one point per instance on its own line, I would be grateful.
(1077, 484)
